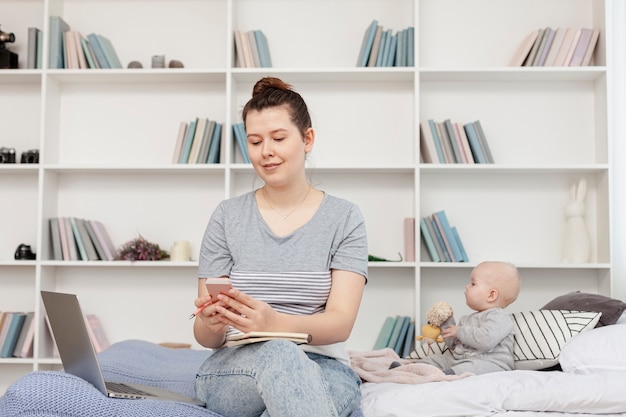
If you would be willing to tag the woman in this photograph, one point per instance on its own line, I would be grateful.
(297, 258)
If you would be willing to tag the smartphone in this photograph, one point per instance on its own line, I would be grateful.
(216, 286)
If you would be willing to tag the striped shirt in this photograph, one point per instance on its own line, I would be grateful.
(292, 272)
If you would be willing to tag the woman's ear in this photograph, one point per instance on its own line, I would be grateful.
(309, 140)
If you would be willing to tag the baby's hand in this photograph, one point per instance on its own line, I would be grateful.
(449, 331)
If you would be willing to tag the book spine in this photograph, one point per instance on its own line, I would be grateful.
(71, 239)
(474, 142)
(437, 240)
(442, 219)
(428, 240)
(55, 239)
(409, 239)
(437, 141)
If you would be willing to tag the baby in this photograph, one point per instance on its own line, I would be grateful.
(482, 342)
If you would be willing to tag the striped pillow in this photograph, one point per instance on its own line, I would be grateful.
(540, 335)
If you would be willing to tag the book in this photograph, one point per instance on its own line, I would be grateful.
(188, 142)
(255, 337)
(13, 333)
(409, 239)
(366, 45)
(437, 240)
(459, 243)
(196, 144)
(206, 142)
(82, 251)
(241, 141)
(88, 245)
(581, 47)
(572, 48)
(559, 35)
(543, 53)
(483, 141)
(254, 49)
(32, 46)
(411, 46)
(391, 49)
(428, 151)
(98, 50)
(5, 321)
(40, 48)
(446, 230)
(105, 240)
(71, 240)
(109, 52)
(533, 51)
(265, 60)
(436, 140)
(65, 248)
(448, 151)
(542, 44)
(80, 53)
(384, 333)
(216, 141)
(94, 240)
(92, 61)
(55, 239)
(384, 48)
(96, 333)
(459, 154)
(395, 333)
(474, 142)
(240, 60)
(524, 49)
(568, 37)
(58, 27)
(428, 241)
(409, 341)
(592, 46)
(247, 51)
(371, 62)
(467, 150)
(180, 139)
(404, 328)
(24, 345)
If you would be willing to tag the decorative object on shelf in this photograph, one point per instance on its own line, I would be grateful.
(30, 156)
(438, 314)
(24, 252)
(139, 249)
(8, 59)
(180, 251)
(158, 61)
(373, 258)
(576, 241)
(174, 63)
(135, 64)
(7, 155)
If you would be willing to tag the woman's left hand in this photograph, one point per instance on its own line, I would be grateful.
(245, 313)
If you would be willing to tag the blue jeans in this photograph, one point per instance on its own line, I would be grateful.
(276, 378)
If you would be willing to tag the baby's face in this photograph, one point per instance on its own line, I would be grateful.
(480, 288)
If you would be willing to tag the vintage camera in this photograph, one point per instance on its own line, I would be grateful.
(30, 157)
(24, 252)
(8, 59)
(7, 155)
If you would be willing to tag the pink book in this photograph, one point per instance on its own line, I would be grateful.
(572, 48)
(64, 246)
(565, 45)
(581, 47)
(458, 127)
(409, 239)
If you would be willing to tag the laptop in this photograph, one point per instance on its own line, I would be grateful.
(79, 356)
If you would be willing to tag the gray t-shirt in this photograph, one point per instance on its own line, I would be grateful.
(292, 272)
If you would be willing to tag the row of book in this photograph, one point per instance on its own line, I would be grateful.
(455, 143)
(443, 242)
(17, 330)
(75, 239)
(198, 142)
(70, 49)
(252, 49)
(397, 333)
(383, 48)
(563, 46)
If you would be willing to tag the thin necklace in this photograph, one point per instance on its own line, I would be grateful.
(284, 216)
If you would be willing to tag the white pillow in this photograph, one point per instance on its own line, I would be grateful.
(541, 335)
(602, 349)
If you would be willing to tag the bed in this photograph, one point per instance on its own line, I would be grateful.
(582, 374)
(580, 371)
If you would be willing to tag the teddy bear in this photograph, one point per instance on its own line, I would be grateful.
(438, 314)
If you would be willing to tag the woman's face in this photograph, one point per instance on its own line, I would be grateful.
(276, 146)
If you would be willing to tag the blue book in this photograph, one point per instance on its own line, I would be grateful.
(437, 140)
(392, 51)
(98, 51)
(216, 142)
(428, 240)
(482, 139)
(58, 27)
(13, 333)
(410, 46)
(454, 246)
(408, 341)
(404, 328)
(385, 333)
(442, 244)
(186, 150)
(438, 246)
(240, 138)
(263, 48)
(384, 45)
(464, 257)
(366, 46)
(89, 56)
(474, 143)
(393, 338)
(109, 52)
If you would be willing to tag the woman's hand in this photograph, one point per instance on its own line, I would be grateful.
(245, 313)
(209, 314)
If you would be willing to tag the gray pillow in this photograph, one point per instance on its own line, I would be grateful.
(610, 308)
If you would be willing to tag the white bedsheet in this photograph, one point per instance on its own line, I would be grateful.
(511, 393)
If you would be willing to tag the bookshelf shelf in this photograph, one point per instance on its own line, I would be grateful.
(107, 138)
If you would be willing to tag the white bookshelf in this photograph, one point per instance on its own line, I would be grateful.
(107, 137)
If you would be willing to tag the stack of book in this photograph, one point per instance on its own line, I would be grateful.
(454, 143)
(560, 47)
(442, 240)
(70, 49)
(75, 239)
(16, 334)
(252, 49)
(397, 333)
(198, 142)
(383, 48)
(239, 134)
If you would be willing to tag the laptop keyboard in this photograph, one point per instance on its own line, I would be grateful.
(125, 389)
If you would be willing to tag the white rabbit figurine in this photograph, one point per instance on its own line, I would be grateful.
(576, 241)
